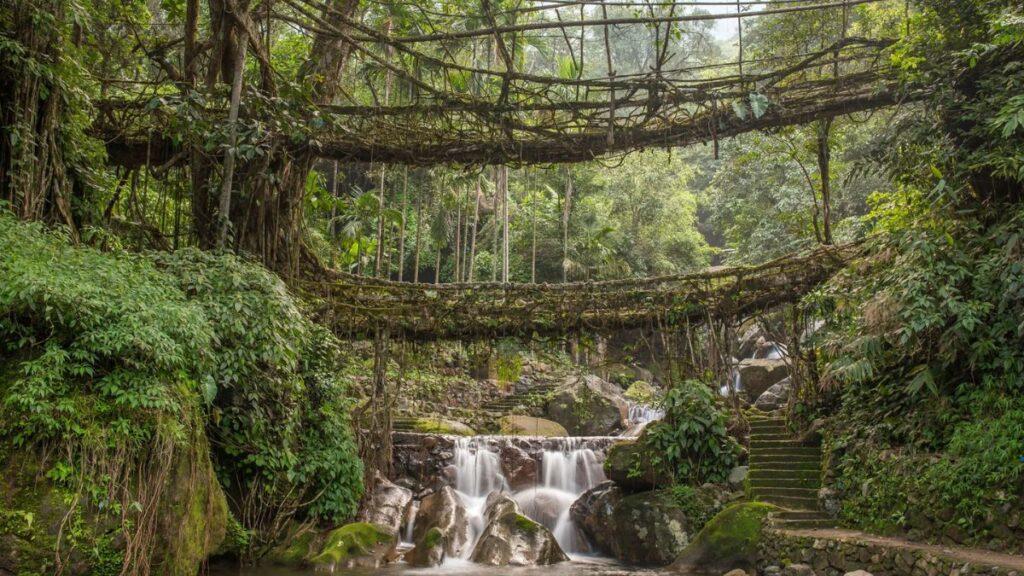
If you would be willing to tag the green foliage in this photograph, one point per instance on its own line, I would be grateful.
(691, 441)
(280, 417)
(111, 351)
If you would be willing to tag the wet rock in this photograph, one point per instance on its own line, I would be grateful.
(518, 467)
(758, 375)
(516, 425)
(747, 345)
(498, 504)
(429, 549)
(443, 510)
(628, 466)
(387, 505)
(592, 512)
(775, 396)
(514, 540)
(589, 406)
(649, 528)
(357, 545)
(736, 572)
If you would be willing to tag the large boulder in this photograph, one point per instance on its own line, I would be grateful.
(757, 375)
(387, 505)
(512, 539)
(589, 406)
(497, 505)
(441, 426)
(517, 425)
(592, 513)
(443, 510)
(357, 545)
(730, 540)
(775, 396)
(649, 528)
(628, 466)
(519, 468)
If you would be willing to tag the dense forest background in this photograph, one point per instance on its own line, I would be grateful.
(158, 372)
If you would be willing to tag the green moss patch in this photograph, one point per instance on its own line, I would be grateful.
(352, 541)
(442, 426)
(529, 426)
(730, 540)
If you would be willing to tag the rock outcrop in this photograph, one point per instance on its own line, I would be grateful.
(387, 506)
(593, 510)
(588, 406)
(429, 550)
(730, 540)
(517, 425)
(627, 466)
(511, 539)
(775, 396)
(357, 545)
(443, 510)
(757, 375)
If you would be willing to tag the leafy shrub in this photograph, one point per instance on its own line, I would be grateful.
(691, 441)
(111, 351)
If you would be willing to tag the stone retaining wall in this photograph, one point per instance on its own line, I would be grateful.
(835, 557)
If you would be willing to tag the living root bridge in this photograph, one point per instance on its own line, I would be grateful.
(355, 307)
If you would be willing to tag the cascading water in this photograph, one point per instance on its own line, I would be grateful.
(640, 415)
(569, 467)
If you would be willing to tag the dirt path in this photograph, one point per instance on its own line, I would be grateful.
(972, 555)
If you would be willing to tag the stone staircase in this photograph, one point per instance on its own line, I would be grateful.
(503, 405)
(786, 473)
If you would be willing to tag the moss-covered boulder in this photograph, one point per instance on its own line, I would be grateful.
(728, 541)
(641, 392)
(646, 529)
(632, 469)
(441, 426)
(444, 510)
(512, 539)
(356, 545)
(588, 406)
(429, 549)
(296, 549)
(515, 425)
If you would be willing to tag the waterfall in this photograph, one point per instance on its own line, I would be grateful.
(639, 416)
(568, 468)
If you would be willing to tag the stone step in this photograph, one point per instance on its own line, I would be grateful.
(786, 482)
(762, 474)
(790, 502)
(760, 423)
(759, 491)
(808, 463)
(796, 450)
(804, 524)
(758, 437)
(757, 442)
(799, 515)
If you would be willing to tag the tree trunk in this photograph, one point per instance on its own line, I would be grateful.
(824, 161)
(458, 240)
(566, 211)
(34, 179)
(401, 231)
(504, 231)
(416, 243)
(224, 205)
(476, 221)
(379, 257)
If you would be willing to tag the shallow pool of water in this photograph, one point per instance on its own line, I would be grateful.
(579, 566)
